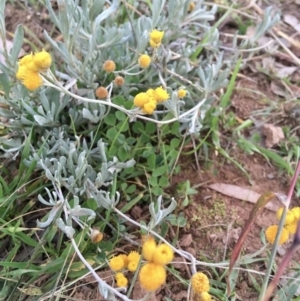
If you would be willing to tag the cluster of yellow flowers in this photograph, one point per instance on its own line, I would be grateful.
(153, 274)
(148, 100)
(30, 66)
(123, 261)
(181, 93)
(155, 37)
(200, 286)
(290, 226)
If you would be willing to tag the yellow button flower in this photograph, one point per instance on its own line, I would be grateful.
(271, 234)
(200, 283)
(140, 99)
(117, 263)
(144, 60)
(125, 259)
(163, 254)
(154, 45)
(42, 60)
(22, 72)
(134, 256)
(149, 107)
(290, 217)
(161, 94)
(109, 66)
(296, 211)
(122, 281)
(292, 228)
(156, 36)
(101, 92)
(119, 275)
(191, 6)
(25, 59)
(30, 66)
(33, 67)
(132, 265)
(96, 236)
(32, 80)
(181, 93)
(148, 249)
(152, 276)
(205, 296)
(150, 93)
(119, 81)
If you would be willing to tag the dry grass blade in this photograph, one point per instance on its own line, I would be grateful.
(287, 258)
(262, 201)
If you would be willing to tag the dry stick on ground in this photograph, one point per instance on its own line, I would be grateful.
(296, 60)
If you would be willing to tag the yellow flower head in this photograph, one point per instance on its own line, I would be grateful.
(149, 107)
(119, 81)
(125, 259)
(22, 72)
(154, 45)
(191, 6)
(134, 256)
(144, 60)
(119, 275)
(109, 66)
(181, 93)
(156, 36)
(101, 92)
(292, 228)
(96, 236)
(148, 249)
(161, 94)
(132, 265)
(33, 67)
(163, 254)
(122, 281)
(25, 59)
(152, 276)
(140, 99)
(117, 263)
(296, 211)
(290, 217)
(205, 296)
(271, 234)
(42, 60)
(151, 93)
(200, 283)
(32, 80)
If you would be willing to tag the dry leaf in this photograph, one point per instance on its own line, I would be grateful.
(274, 134)
(186, 240)
(292, 21)
(240, 193)
(285, 71)
(278, 89)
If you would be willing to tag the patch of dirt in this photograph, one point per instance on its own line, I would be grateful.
(215, 221)
(34, 23)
